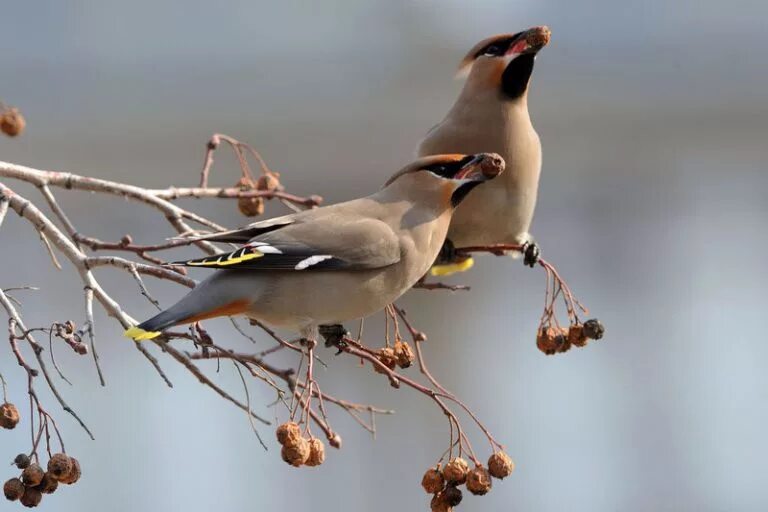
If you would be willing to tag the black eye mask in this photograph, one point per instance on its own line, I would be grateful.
(499, 47)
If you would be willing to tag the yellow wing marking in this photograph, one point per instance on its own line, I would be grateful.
(231, 259)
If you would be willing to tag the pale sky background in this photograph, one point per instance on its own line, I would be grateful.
(653, 204)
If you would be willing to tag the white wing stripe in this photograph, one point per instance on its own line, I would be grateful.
(268, 249)
(312, 260)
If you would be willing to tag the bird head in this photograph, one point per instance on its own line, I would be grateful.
(504, 62)
(445, 180)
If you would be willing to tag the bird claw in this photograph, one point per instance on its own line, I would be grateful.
(531, 253)
(334, 335)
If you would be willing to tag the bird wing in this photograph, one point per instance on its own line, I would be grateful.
(332, 242)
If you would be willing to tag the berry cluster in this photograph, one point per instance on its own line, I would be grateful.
(254, 206)
(444, 483)
(554, 340)
(33, 482)
(401, 354)
(299, 450)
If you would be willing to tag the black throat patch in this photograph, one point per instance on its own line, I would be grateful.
(461, 193)
(514, 80)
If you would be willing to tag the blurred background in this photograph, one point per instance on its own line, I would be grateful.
(652, 204)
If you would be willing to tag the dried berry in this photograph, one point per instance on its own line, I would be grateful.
(439, 504)
(433, 481)
(12, 123)
(59, 466)
(48, 484)
(22, 461)
(455, 472)
(31, 498)
(249, 206)
(387, 357)
(288, 433)
(594, 329)
(74, 474)
(9, 415)
(404, 354)
(545, 340)
(80, 348)
(479, 481)
(316, 452)
(538, 36)
(13, 489)
(296, 454)
(452, 496)
(500, 465)
(561, 340)
(576, 336)
(267, 182)
(33, 475)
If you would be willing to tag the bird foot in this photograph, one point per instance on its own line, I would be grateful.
(531, 254)
(333, 335)
(447, 254)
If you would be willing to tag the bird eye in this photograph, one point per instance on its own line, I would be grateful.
(440, 169)
(492, 50)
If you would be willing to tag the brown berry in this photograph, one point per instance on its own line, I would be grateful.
(296, 454)
(576, 336)
(545, 340)
(452, 496)
(594, 329)
(22, 461)
(316, 452)
(249, 206)
(433, 481)
(404, 354)
(9, 416)
(455, 472)
(267, 182)
(288, 432)
(479, 481)
(561, 339)
(33, 475)
(500, 465)
(538, 36)
(439, 504)
(13, 489)
(387, 357)
(31, 498)
(48, 484)
(80, 348)
(74, 473)
(59, 466)
(12, 123)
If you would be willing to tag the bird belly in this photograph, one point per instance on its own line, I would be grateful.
(296, 301)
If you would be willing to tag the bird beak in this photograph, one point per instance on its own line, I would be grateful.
(481, 167)
(530, 41)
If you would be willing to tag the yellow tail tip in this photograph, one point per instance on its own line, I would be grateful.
(452, 268)
(138, 334)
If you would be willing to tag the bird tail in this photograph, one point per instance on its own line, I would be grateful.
(452, 268)
(153, 327)
(214, 297)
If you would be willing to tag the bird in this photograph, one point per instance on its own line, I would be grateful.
(336, 263)
(491, 114)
